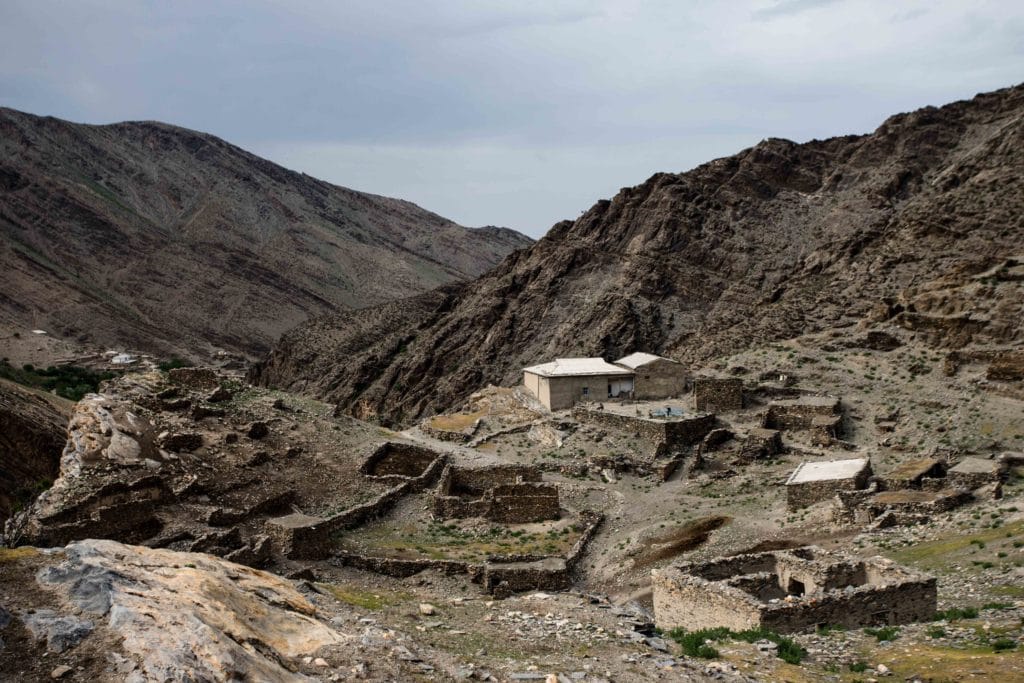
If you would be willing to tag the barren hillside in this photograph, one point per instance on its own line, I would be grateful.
(779, 240)
(165, 239)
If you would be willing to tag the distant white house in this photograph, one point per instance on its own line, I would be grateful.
(563, 382)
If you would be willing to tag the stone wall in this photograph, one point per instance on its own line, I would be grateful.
(808, 493)
(800, 413)
(509, 494)
(194, 378)
(819, 589)
(395, 459)
(301, 536)
(713, 394)
(668, 434)
(661, 378)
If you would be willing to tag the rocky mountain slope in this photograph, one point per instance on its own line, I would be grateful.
(164, 239)
(779, 240)
(31, 442)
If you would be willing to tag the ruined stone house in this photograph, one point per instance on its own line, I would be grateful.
(790, 591)
(510, 494)
(813, 482)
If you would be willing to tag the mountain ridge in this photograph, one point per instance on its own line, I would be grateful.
(775, 241)
(175, 241)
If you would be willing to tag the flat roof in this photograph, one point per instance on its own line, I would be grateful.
(911, 469)
(827, 471)
(807, 401)
(977, 465)
(569, 367)
(638, 358)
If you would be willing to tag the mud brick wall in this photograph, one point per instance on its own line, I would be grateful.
(712, 394)
(672, 434)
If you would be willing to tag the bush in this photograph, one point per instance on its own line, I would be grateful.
(884, 633)
(859, 667)
(1003, 644)
(954, 613)
(694, 643)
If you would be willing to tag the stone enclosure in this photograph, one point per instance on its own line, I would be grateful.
(510, 494)
(791, 591)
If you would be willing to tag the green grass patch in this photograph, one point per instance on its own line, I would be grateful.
(696, 643)
(360, 598)
(937, 554)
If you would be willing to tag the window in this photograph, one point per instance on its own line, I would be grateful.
(586, 391)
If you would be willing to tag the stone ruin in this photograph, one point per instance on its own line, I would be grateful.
(713, 394)
(509, 494)
(819, 415)
(813, 482)
(790, 591)
(395, 461)
(917, 489)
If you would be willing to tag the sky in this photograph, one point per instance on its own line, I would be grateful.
(517, 114)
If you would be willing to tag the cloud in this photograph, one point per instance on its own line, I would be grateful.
(454, 103)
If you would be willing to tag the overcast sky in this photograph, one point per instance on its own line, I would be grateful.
(507, 113)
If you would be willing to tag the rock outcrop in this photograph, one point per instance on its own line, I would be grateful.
(174, 616)
(169, 240)
(779, 240)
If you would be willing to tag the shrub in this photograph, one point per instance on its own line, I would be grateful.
(694, 643)
(1002, 644)
(954, 613)
(859, 667)
(883, 633)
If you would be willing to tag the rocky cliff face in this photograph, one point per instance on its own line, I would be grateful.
(778, 240)
(31, 441)
(165, 239)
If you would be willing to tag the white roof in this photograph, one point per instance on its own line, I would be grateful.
(635, 360)
(825, 471)
(567, 367)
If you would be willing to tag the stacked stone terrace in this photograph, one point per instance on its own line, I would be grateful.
(791, 591)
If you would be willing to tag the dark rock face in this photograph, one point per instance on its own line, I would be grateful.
(778, 240)
(31, 441)
(169, 240)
